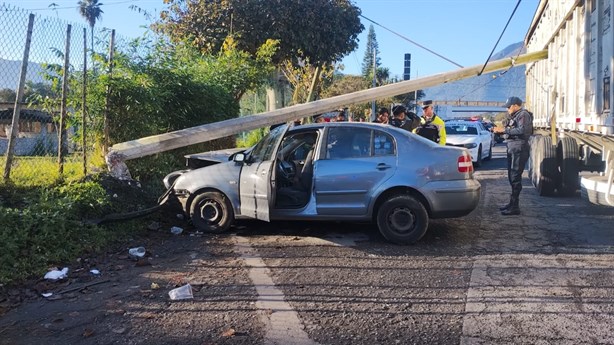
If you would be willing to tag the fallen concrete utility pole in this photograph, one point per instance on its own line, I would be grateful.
(194, 135)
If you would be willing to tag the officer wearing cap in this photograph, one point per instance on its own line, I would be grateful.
(403, 119)
(518, 131)
(432, 126)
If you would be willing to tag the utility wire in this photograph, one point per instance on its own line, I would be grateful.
(505, 28)
(53, 8)
(415, 43)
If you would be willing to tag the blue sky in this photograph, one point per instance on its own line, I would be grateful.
(464, 31)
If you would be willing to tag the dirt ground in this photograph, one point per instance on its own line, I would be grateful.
(128, 302)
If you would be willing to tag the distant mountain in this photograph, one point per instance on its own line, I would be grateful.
(495, 86)
(10, 71)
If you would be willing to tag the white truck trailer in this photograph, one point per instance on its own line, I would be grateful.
(570, 95)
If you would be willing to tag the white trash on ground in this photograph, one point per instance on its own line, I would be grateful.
(175, 230)
(182, 292)
(55, 274)
(137, 252)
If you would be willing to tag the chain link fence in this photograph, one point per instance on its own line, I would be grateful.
(56, 136)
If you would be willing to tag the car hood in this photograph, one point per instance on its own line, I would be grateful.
(221, 176)
(203, 159)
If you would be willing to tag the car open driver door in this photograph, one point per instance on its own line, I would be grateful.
(257, 178)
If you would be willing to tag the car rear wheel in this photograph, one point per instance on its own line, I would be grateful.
(402, 219)
(211, 212)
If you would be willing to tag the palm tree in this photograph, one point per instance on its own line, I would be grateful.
(90, 10)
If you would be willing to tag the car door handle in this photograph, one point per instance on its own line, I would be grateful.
(383, 166)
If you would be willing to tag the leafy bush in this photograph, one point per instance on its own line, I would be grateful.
(45, 227)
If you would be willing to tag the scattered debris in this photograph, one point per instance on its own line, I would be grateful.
(175, 230)
(137, 252)
(182, 292)
(47, 294)
(55, 274)
(155, 286)
(88, 333)
(229, 333)
(95, 272)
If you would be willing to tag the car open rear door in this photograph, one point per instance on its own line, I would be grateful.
(257, 180)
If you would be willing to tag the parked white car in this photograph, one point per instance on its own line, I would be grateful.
(471, 135)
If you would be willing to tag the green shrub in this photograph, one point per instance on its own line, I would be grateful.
(47, 227)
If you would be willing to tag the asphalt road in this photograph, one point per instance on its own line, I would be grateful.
(545, 277)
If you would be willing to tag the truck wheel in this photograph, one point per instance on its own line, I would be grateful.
(547, 173)
(567, 155)
(211, 212)
(402, 219)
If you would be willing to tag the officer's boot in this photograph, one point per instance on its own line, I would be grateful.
(506, 206)
(514, 208)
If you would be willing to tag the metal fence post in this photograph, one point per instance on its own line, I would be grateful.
(62, 142)
(83, 102)
(108, 96)
(18, 99)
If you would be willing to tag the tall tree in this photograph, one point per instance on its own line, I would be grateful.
(90, 10)
(322, 31)
(367, 61)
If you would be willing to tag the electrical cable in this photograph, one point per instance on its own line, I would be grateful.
(53, 8)
(500, 36)
(415, 43)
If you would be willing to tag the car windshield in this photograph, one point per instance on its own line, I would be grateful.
(461, 129)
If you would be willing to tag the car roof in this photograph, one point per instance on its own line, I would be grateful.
(462, 122)
(342, 124)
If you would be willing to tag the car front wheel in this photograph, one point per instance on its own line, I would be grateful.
(402, 219)
(211, 212)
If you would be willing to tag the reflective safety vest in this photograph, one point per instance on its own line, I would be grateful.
(431, 129)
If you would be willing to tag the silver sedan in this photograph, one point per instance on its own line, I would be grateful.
(333, 171)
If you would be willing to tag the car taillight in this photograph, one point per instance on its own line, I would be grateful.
(464, 164)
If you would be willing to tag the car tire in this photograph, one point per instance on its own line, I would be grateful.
(478, 162)
(402, 219)
(211, 212)
(489, 157)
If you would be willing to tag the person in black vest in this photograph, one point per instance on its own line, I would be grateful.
(517, 133)
(432, 126)
(404, 119)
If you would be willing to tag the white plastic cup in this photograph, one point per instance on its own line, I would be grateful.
(182, 292)
(137, 252)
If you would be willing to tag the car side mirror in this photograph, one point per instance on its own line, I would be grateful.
(239, 158)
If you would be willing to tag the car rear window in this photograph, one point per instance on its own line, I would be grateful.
(461, 129)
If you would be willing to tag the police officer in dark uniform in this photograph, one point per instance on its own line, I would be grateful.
(517, 131)
(404, 119)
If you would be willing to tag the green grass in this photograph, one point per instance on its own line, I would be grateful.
(44, 170)
(46, 225)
